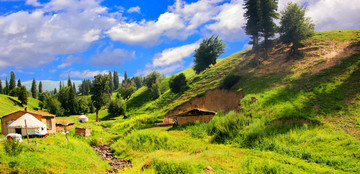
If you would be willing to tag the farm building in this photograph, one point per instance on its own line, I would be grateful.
(45, 117)
(34, 126)
(194, 115)
(62, 127)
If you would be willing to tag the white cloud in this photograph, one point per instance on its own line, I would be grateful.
(84, 74)
(147, 32)
(111, 57)
(57, 28)
(34, 3)
(174, 55)
(68, 61)
(134, 10)
(229, 22)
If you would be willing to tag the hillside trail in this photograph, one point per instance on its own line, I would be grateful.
(116, 164)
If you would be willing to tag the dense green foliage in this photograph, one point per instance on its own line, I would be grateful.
(117, 107)
(12, 83)
(22, 95)
(267, 26)
(209, 50)
(13, 148)
(178, 83)
(253, 20)
(229, 81)
(295, 27)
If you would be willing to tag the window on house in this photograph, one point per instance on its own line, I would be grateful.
(48, 123)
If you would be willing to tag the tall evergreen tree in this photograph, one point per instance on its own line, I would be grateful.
(12, 81)
(253, 19)
(295, 27)
(74, 87)
(6, 86)
(55, 91)
(1, 87)
(268, 27)
(100, 92)
(19, 83)
(125, 76)
(69, 81)
(60, 86)
(40, 88)
(111, 83)
(116, 80)
(33, 89)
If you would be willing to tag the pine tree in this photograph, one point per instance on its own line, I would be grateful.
(12, 81)
(6, 86)
(74, 87)
(60, 86)
(40, 88)
(253, 19)
(33, 89)
(19, 83)
(55, 91)
(116, 80)
(1, 87)
(69, 81)
(125, 76)
(295, 27)
(268, 27)
(111, 83)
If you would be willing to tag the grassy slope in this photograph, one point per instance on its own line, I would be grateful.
(303, 103)
(10, 104)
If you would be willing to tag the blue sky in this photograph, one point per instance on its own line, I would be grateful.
(50, 39)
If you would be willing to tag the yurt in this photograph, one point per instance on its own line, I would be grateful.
(35, 127)
(83, 119)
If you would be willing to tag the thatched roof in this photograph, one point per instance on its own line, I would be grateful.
(197, 112)
(31, 122)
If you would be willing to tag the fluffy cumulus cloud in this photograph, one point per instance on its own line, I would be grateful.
(173, 55)
(134, 10)
(69, 60)
(84, 74)
(111, 57)
(56, 28)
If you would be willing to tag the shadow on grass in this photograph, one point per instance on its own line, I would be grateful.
(15, 102)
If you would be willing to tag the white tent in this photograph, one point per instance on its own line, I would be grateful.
(83, 119)
(35, 126)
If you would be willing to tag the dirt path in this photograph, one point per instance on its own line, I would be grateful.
(106, 154)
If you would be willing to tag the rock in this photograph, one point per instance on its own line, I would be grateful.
(208, 168)
(145, 166)
(199, 150)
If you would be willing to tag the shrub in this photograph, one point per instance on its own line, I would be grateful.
(173, 167)
(13, 148)
(229, 81)
(178, 83)
(117, 107)
(149, 141)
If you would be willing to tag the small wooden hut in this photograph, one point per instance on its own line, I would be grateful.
(194, 115)
(83, 131)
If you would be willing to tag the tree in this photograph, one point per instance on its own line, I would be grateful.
(69, 81)
(178, 83)
(253, 19)
(6, 86)
(74, 87)
(55, 91)
(152, 78)
(100, 92)
(117, 107)
(138, 81)
(23, 95)
(33, 89)
(60, 86)
(12, 81)
(40, 88)
(295, 27)
(268, 27)
(1, 87)
(111, 83)
(210, 49)
(19, 83)
(116, 80)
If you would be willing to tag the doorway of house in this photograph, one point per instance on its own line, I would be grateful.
(18, 131)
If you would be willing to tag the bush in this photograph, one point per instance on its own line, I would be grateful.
(117, 107)
(178, 83)
(13, 148)
(229, 81)
(127, 92)
(174, 167)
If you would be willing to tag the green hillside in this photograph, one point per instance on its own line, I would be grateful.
(306, 119)
(10, 104)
